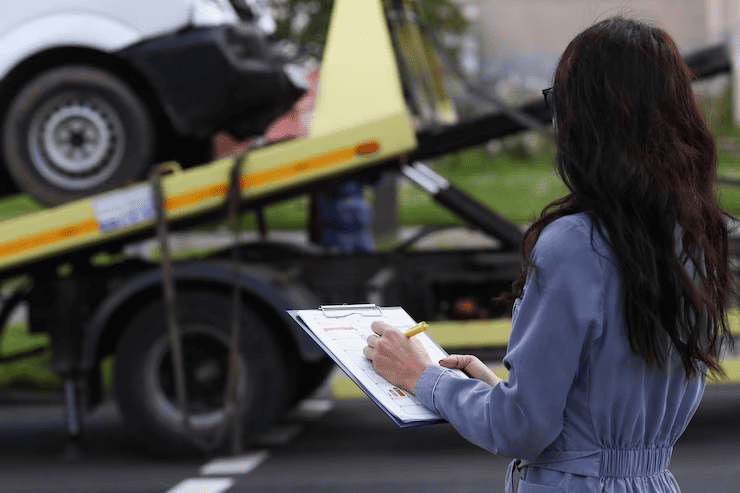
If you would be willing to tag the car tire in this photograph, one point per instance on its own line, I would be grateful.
(74, 131)
(144, 383)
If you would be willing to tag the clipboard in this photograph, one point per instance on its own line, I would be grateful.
(365, 309)
(342, 330)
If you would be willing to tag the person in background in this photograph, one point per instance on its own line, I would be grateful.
(345, 218)
(620, 312)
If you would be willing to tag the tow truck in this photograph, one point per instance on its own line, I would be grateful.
(205, 352)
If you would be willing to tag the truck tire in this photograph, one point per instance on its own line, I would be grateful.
(74, 131)
(145, 385)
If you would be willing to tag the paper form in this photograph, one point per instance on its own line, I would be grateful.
(345, 337)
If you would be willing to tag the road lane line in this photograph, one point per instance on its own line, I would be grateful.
(278, 435)
(242, 464)
(202, 485)
(312, 408)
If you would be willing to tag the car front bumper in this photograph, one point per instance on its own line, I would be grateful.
(218, 78)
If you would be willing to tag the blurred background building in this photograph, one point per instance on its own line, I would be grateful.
(515, 44)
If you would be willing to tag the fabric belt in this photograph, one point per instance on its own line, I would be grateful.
(597, 463)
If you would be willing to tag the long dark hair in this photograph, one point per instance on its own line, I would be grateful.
(637, 155)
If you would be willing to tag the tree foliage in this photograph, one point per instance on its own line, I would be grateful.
(305, 23)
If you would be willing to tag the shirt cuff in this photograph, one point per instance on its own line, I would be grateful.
(427, 383)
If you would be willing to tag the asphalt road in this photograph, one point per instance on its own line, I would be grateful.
(328, 446)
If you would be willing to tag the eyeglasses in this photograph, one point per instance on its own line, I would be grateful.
(547, 93)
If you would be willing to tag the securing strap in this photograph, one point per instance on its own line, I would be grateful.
(233, 404)
(168, 287)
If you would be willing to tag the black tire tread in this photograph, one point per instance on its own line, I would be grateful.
(256, 344)
(137, 119)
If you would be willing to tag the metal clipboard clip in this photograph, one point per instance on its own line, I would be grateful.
(338, 311)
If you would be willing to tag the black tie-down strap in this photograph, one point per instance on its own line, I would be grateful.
(232, 403)
(168, 289)
(234, 406)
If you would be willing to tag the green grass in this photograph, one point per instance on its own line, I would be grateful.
(18, 205)
(32, 373)
(516, 189)
(35, 373)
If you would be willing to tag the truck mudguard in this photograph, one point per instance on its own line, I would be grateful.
(266, 285)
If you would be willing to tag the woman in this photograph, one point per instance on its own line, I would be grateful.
(614, 328)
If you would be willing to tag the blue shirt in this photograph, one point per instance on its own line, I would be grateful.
(588, 413)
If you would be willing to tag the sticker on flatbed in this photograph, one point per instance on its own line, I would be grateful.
(120, 210)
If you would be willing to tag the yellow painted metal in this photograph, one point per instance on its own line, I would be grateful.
(732, 369)
(434, 105)
(731, 364)
(360, 118)
(342, 387)
(444, 109)
(502, 373)
(42, 233)
(289, 164)
(733, 319)
(471, 333)
(359, 75)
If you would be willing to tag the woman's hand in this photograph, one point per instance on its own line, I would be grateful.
(399, 359)
(472, 366)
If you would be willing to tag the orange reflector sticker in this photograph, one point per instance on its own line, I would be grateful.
(267, 177)
(367, 148)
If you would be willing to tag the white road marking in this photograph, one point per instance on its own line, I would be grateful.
(278, 435)
(235, 465)
(312, 408)
(203, 485)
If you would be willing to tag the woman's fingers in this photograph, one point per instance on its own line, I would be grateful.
(458, 361)
(471, 365)
(380, 327)
(449, 361)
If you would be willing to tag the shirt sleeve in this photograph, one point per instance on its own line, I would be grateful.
(561, 308)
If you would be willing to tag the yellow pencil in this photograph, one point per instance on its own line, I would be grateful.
(420, 327)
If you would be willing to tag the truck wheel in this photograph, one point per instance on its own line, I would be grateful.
(145, 384)
(74, 131)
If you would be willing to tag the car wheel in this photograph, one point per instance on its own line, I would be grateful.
(145, 383)
(74, 131)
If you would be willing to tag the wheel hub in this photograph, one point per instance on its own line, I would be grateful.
(205, 362)
(76, 142)
(77, 139)
(208, 373)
